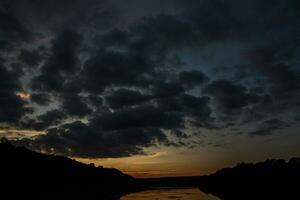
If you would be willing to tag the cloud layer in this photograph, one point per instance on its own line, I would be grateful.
(105, 82)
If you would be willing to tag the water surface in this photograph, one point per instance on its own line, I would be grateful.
(170, 193)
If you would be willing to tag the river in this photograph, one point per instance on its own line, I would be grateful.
(170, 193)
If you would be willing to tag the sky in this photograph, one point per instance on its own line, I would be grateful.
(152, 87)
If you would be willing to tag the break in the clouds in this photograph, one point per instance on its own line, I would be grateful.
(103, 79)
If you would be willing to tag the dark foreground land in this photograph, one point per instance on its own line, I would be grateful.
(30, 175)
(269, 180)
(272, 179)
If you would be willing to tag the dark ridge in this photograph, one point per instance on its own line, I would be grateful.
(30, 175)
(272, 179)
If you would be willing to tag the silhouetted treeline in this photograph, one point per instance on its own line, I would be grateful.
(272, 179)
(25, 174)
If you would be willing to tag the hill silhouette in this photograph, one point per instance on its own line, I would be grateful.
(28, 174)
(272, 179)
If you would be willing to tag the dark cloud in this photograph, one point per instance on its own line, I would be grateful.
(40, 98)
(273, 74)
(95, 100)
(228, 96)
(152, 117)
(179, 134)
(12, 107)
(209, 17)
(62, 62)
(268, 126)
(165, 31)
(9, 80)
(285, 82)
(167, 89)
(80, 140)
(52, 117)
(124, 97)
(115, 38)
(74, 105)
(197, 108)
(116, 70)
(31, 57)
(12, 32)
(43, 121)
(58, 15)
(250, 20)
(192, 78)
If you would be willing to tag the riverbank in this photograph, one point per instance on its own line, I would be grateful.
(272, 179)
(33, 175)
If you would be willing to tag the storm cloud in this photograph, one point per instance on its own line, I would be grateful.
(104, 82)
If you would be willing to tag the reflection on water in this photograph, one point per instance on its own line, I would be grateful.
(173, 193)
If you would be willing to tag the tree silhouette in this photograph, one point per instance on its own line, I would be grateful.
(272, 179)
(31, 175)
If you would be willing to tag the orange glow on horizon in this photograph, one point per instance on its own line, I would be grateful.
(23, 95)
(18, 134)
(158, 164)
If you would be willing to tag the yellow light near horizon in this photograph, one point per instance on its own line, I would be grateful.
(23, 95)
(155, 164)
(18, 134)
